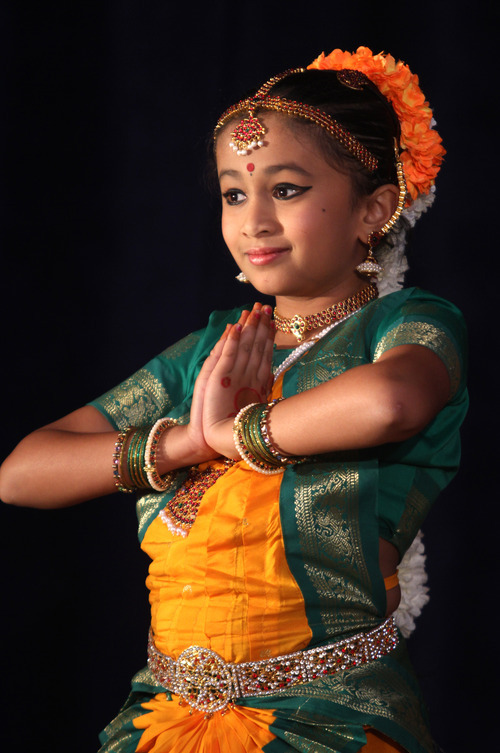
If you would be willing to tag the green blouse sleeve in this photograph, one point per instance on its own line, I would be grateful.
(412, 473)
(427, 320)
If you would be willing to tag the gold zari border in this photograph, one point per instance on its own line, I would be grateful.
(423, 333)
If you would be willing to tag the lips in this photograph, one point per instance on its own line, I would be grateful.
(261, 256)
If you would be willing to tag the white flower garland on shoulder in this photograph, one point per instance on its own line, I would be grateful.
(414, 591)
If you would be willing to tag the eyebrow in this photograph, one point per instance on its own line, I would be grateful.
(270, 170)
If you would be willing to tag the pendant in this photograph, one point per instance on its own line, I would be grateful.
(298, 327)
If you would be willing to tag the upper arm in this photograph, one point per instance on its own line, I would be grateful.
(435, 325)
(86, 420)
(418, 380)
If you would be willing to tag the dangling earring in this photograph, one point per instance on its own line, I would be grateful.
(242, 277)
(370, 266)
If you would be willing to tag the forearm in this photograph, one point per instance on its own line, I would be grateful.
(355, 410)
(323, 420)
(366, 406)
(55, 467)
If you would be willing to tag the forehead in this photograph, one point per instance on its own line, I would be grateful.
(281, 140)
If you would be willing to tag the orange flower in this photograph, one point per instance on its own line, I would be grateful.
(422, 150)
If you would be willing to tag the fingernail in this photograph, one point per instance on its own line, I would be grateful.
(267, 310)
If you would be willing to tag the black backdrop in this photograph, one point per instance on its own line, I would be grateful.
(111, 251)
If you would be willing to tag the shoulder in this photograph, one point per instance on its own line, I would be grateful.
(413, 308)
(413, 316)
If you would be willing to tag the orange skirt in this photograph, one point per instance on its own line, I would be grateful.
(171, 728)
(376, 742)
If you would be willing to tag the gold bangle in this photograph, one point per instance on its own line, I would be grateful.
(253, 441)
(244, 445)
(157, 482)
(118, 459)
(266, 433)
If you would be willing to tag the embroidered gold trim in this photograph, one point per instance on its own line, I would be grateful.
(138, 401)
(428, 335)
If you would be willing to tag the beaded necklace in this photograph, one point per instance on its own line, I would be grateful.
(298, 325)
(299, 351)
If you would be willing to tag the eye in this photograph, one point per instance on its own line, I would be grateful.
(233, 197)
(285, 191)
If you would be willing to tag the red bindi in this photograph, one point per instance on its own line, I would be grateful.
(250, 167)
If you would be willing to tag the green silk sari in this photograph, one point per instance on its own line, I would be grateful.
(333, 510)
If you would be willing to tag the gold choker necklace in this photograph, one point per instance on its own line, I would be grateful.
(299, 325)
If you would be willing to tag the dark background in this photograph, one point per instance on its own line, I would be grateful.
(110, 251)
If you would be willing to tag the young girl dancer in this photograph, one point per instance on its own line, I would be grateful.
(285, 463)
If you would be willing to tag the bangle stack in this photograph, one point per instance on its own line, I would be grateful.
(136, 451)
(135, 458)
(253, 441)
(157, 482)
(120, 445)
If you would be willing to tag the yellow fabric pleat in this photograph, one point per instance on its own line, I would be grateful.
(227, 585)
(170, 728)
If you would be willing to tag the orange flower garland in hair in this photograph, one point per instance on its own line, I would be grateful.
(422, 150)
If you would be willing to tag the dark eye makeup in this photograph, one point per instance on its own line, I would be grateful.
(282, 192)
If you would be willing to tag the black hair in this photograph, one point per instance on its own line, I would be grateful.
(363, 111)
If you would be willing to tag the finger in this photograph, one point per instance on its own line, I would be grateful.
(265, 371)
(244, 338)
(261, 338)
(262, 356)
(230, 348)
(239, 344)
(243, 317)
(213, 358)
(253, 315)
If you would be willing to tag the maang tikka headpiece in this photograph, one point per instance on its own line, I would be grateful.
(249, 133)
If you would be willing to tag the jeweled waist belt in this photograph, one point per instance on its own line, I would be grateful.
(208, 683)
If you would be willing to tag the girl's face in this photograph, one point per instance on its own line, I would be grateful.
(289, 218)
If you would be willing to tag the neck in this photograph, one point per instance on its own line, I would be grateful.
(302, 326)
(288, 306)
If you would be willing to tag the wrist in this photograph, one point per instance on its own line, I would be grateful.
(179, 449)
(220, 436)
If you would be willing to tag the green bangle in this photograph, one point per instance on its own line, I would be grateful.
(135, 458)
(118, 455)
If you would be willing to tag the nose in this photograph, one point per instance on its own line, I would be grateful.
(260, 217)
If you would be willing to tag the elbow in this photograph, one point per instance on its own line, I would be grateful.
(400, 417)
(10, 488)
(14, 473)
(7, 494)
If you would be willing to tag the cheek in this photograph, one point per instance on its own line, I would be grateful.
(308, 226)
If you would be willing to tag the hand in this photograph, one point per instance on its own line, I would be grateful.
(194, 429)
(242, 374)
